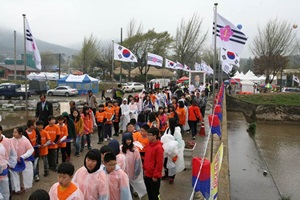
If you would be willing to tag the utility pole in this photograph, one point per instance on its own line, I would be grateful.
(15, 55)
(59, 58)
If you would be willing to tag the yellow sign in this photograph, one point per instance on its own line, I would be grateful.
(215, 168)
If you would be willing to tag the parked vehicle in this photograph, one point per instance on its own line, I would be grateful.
(38, 86)
(133, 87)
(62, 91)
(12, 90)
(290, 89)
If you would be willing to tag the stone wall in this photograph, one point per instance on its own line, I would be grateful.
(254, 112)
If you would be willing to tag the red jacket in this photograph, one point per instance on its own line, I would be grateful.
(153, 160)
(193, 112)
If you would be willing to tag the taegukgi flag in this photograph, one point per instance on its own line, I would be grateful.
(123, 54)
(226, 68)
(179, 65)
(230, 57)
(154, 60)
(32, 47)
(186, 68)
(229, 36)
(170, 64)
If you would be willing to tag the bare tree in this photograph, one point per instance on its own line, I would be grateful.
(89, 53)
(189, 39)
(133, 29)
(271, 47)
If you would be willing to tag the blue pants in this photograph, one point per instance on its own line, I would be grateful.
(77, 144)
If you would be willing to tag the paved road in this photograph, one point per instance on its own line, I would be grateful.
(181, 189)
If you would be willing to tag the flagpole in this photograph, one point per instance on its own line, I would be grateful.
(220, 63)
(25, 67)
(121, 62)
(214, 75)
(112, 61)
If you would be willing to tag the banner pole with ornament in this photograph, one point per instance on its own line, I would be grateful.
(214, 74)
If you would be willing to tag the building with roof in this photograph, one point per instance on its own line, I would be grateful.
(7, 70)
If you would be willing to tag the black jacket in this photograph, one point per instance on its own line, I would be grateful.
(44, 114)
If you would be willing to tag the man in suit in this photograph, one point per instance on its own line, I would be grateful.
(44, 109)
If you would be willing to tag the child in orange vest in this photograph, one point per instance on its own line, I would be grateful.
(100, 119)
(34, 138)
(110, 111)
(63, 136)
(54, 133)
(116, 119)
(45, 141)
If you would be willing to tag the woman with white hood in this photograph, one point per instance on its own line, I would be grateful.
(173, 150)
(125, 117)
(133, 107)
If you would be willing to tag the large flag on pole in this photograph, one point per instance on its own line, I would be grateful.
(170, 64)
(229, 36)
(230, 57)
(154, 60)
(226, 68)
(123, 54)
(31, 46)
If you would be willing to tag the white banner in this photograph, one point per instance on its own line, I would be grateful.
(154, 60)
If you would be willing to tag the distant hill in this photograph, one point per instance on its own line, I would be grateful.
(7, 45)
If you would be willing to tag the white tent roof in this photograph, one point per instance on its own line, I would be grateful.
(80, 78)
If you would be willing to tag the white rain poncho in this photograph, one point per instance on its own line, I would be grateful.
(24, 150)
(134, 170)
(125, 118)
(169, 142)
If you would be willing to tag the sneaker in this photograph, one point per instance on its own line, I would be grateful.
(171, 180)
(36, 178)
(111, 138)
(46, 174)
(77, 154)
(194, 138)
(116, 134)
(105, 140)
(90, 148)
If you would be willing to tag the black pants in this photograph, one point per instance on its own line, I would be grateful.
(52, 153)
(107, 130)
(100, 133)
(116, 127)
(166, 169)
(64, 154)
(202, 110)
(193, 127)
(68, 148)
(152, 188)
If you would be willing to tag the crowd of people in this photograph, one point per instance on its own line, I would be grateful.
(151, 124)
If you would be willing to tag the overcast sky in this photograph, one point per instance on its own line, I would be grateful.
(67, 22)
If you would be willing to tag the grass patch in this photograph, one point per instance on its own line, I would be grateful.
(288, 99)
(285, 198)
(252, 129)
